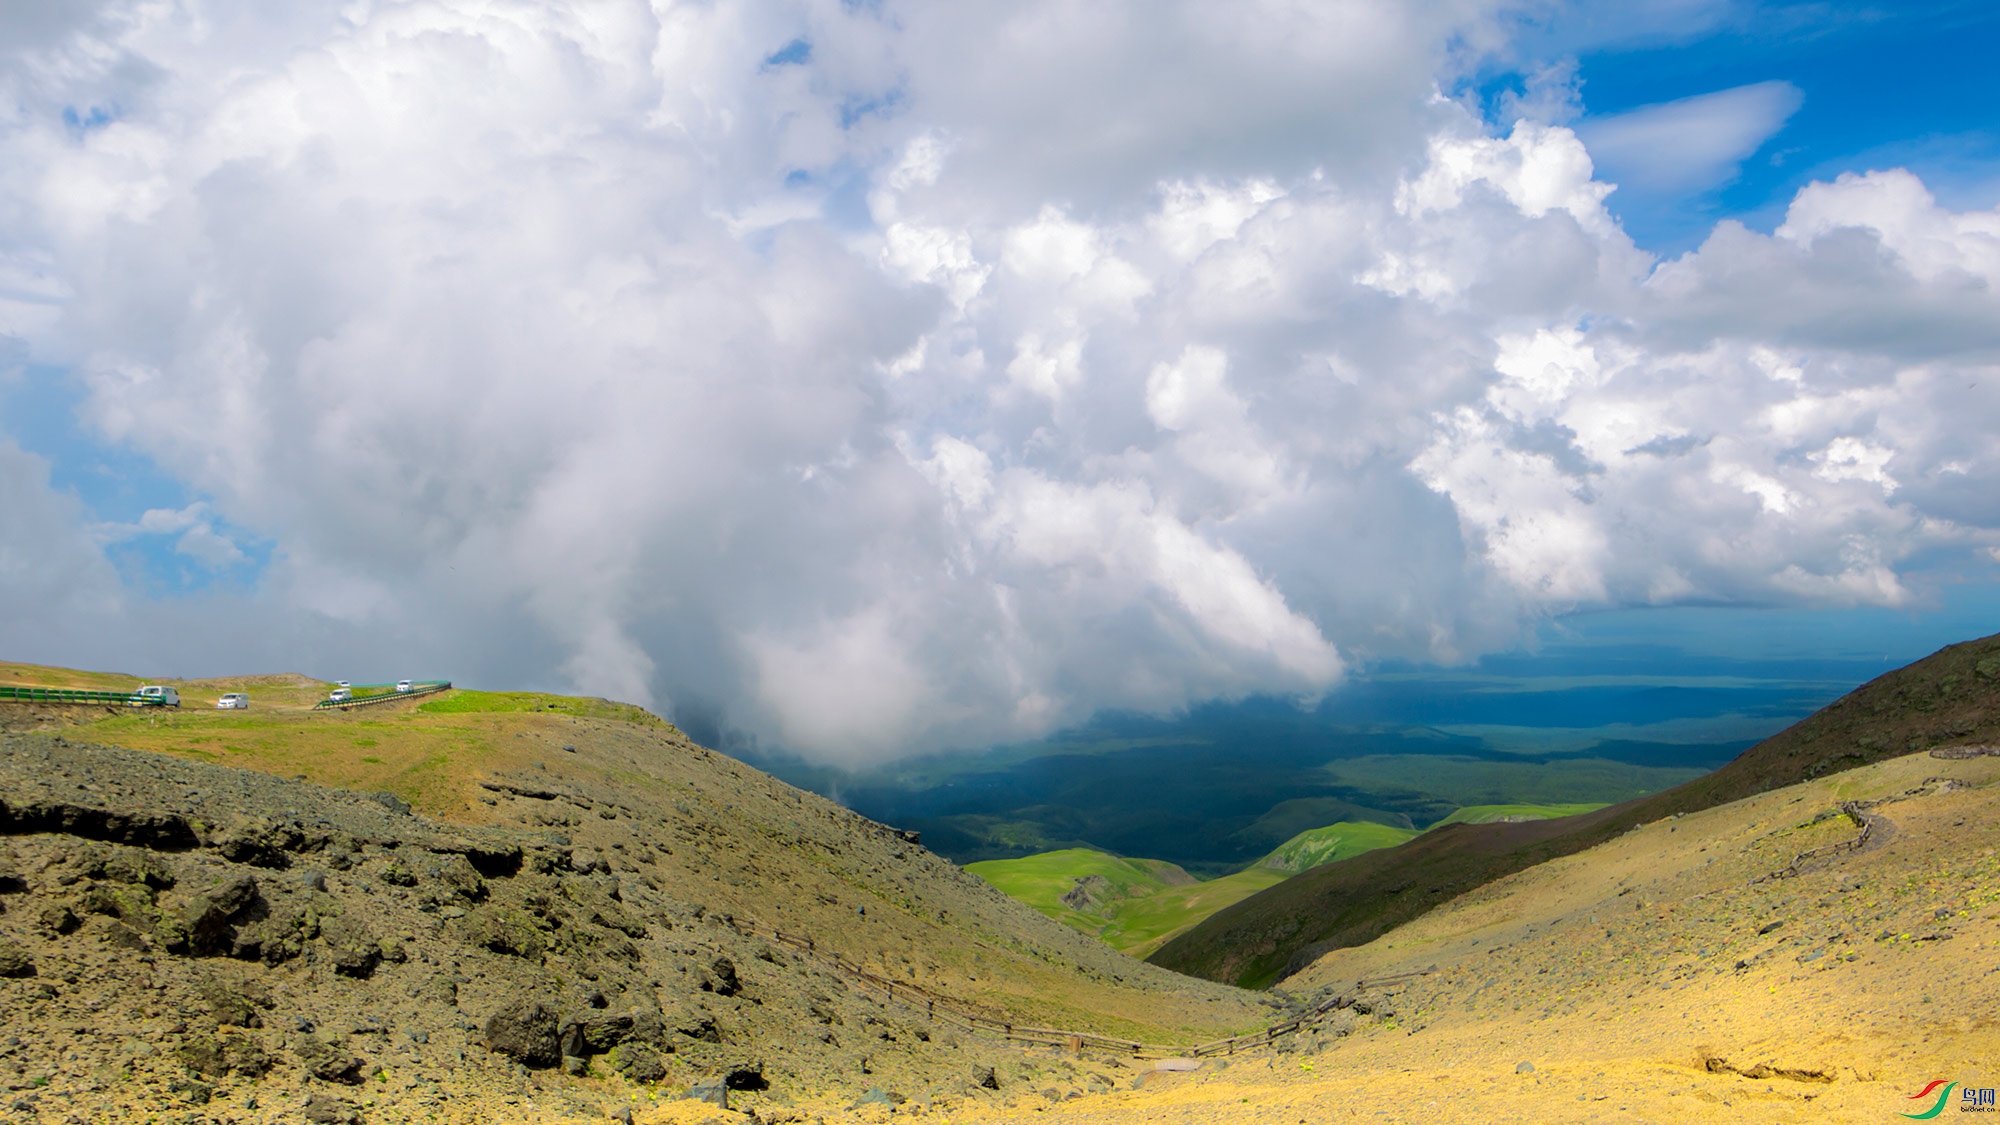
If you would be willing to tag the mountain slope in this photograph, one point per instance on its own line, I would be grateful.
(1692, 970)
(234, 930)
(1950, 697)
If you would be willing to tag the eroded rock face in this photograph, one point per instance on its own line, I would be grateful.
(726, 983)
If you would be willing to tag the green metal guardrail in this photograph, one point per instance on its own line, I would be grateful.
(421, 687)
(72, 695)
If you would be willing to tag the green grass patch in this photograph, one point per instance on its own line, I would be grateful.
(1489, 814)
(1105, 890)
(1137, 905)
(1144, 924)
(1133, 905)
(464, 702)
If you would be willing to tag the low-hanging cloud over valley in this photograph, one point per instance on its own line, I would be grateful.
(886, 377)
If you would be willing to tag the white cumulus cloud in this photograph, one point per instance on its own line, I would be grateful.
(979, 367)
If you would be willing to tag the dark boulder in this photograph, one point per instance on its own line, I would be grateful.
(637, 1062)
(15, 962)
(352, 949)
(525, 1031)
(713, 1091)
(224, 1054)
(461, 878)
(327, 1062)
(322, 1110)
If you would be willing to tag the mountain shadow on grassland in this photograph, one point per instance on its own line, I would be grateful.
(1951, 697)
(1219, 788)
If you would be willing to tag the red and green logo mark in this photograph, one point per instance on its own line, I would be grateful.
(1943, 1096)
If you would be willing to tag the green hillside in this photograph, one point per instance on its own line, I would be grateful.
(1137, 905)
(1315, 846)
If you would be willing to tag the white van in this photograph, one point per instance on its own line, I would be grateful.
(403, 685)
(339, 695)
(233, 701)
(155, 696)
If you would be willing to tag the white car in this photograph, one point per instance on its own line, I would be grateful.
(402, 685)
(342, 683)
(339, 695)
(233, 701)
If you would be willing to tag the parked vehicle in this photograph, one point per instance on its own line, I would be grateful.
(153, 695)
(233, 701)
(342, 683)
(402, 685)
(339, 695)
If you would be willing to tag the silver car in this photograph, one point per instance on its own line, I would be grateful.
(233, 701)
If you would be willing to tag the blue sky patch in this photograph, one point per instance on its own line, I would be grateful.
(1912, 85)
(796, 53)
(164, 538)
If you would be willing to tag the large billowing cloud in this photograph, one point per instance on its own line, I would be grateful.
(885, 377)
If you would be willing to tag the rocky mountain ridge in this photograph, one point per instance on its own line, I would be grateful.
(218, 944)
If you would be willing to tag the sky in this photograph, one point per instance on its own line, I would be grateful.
(864, 379)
